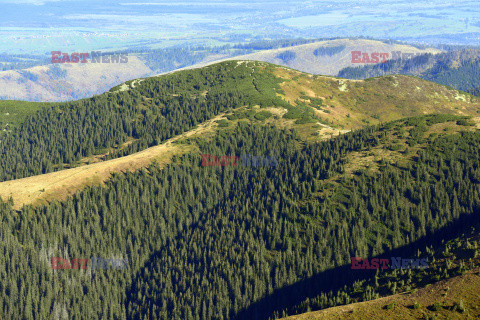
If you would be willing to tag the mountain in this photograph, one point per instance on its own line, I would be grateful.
(318, 107)
(459, 69)
(331, 56)
(62, 82)
(258, 201)
(72, 81)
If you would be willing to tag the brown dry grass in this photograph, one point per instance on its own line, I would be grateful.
(61, 184)
(353, 104)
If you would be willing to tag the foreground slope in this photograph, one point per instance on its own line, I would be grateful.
(456, 297)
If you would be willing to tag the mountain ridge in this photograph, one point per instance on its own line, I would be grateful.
(318, 107)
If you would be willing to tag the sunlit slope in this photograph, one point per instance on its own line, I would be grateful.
(61, 184)
(352, 104)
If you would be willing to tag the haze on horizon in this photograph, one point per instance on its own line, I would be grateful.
(36, 26)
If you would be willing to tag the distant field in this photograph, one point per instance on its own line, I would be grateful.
(96, 24)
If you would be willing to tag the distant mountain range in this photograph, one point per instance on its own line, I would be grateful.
(459, 69)
(70, 81)
(339, 57)
(331, 56)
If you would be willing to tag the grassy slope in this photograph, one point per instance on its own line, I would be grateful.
(351, 104)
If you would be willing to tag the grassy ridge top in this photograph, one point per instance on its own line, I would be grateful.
(339, 105)
(353, 104)
(458, 69)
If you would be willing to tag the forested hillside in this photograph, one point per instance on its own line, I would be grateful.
(448, 289)
(159, 109)
(231, 242)
(146, 112)
(237, 242)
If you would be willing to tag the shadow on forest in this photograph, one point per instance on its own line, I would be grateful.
(335, 279)
(330, 280)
